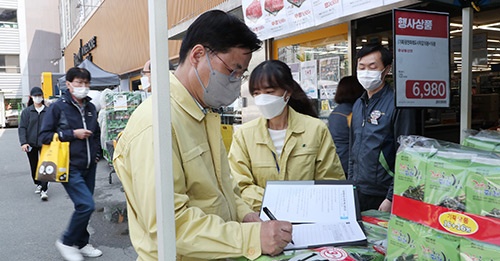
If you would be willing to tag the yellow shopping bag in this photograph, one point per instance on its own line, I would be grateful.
(53, 164)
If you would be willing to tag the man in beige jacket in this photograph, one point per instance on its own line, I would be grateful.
(212, 222)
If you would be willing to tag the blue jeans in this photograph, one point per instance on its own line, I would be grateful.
(80, 189)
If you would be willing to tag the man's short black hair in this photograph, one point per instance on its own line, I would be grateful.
(370, 48)
(77, 72)
(219, 31)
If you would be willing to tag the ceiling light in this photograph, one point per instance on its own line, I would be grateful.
(489, 28)
(492, 24)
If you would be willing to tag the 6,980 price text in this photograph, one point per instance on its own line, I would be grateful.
(425, 89)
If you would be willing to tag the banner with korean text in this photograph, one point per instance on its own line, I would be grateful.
(275, 18)
(421, 58)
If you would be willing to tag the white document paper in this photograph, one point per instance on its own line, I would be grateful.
(329, 209)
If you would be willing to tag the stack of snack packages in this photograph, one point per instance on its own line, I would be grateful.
(119, 107)
(460, 185)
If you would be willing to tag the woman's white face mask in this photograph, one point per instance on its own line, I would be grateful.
(271, 106)
(37, 99)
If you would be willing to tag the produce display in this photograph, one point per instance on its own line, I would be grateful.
(119, 107)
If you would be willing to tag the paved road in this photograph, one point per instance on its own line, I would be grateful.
(29, 227)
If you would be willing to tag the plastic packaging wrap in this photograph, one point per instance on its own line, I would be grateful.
(487, 140)
(461, 188)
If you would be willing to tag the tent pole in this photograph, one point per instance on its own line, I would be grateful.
(158, 43)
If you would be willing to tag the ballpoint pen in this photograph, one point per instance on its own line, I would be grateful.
(272, 217)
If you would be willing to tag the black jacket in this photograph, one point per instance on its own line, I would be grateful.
(339, 129)
(376, 125)
(29, 126)
(63, 117)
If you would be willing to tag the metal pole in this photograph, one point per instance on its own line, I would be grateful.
(465, 88)
(158, 43)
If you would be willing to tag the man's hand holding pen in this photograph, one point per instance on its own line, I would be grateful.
(281, 238)
(275, 236)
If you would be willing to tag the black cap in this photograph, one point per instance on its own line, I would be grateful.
(36, 91)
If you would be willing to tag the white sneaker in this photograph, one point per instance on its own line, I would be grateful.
(38, 189)
(90, 251)
(44, 196)
(69, 253)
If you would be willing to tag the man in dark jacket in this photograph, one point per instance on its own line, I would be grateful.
(29, 127)
(74, 118)
(376, 125)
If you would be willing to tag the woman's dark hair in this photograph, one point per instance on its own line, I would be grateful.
(348, 90)
(77, 72)
(219, 31)
(277, 74)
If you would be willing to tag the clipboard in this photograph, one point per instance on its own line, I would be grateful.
(323, 213)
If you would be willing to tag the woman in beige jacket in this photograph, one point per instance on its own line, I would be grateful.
(288, 142)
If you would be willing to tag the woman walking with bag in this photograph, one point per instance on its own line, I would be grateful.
(28, 130)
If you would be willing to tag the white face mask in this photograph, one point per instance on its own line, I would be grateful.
(269, 105)
(145, 83)
(370, 80)
(37, 99)
(80, 92)
(221, 90)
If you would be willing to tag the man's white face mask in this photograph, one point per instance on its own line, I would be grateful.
(370, 80)
(80, 92)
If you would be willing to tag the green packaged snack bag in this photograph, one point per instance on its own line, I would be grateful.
(403, 239)
(471, 250)
(411, 166)
(482, 143)
(445, 179)
(375, 234)
(435, 245)
(482, 188)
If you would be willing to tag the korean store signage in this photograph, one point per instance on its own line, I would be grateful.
(421, 58)
(273, 18)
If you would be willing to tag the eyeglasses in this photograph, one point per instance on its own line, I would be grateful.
(234, 75)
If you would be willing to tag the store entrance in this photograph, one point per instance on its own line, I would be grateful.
(444, 123)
